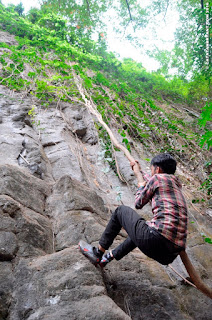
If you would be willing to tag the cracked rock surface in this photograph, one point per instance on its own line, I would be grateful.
(56, 189)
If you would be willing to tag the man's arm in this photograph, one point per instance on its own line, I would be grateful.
(146, 186)
(145, 194)
(137, 171)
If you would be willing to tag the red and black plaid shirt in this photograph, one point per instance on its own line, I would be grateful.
(168, 206)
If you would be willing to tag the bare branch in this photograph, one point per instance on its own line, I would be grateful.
(166, 10)
(88, 7)
(202, 4)
(129, 10)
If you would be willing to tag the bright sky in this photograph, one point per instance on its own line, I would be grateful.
(163, 39)
(26, 3)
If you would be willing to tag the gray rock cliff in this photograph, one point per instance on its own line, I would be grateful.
(56, 188)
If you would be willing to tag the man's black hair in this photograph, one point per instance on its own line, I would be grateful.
(166, 162)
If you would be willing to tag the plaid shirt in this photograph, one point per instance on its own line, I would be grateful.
(168, 206)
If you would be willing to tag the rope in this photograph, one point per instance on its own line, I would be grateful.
(186, 280)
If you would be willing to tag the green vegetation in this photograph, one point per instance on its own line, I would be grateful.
(142, 105)
(204, 122)
(189, 54)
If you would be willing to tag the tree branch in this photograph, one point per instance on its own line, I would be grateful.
(202, 4)
(129, 10)
(166, 9)
(88, 7)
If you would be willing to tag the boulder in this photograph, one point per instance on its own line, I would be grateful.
(63, 161)
(6, 288)
(62, 285)
(8, 245)
(8, 38)
(23, 187)
(70, 194)
(23, 232)
(81, 123)
(72, 226)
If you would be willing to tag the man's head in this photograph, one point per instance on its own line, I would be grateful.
(163, 163)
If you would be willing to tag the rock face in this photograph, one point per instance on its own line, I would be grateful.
(56, 189)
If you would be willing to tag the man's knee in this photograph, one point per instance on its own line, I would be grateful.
(119, 213)
(121, 210)
(124, 214)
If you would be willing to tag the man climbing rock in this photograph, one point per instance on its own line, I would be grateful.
(164, 236)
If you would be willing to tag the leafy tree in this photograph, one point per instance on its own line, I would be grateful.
(13, 8)
(55, 23)
(90, 16)
(20, 9)
(198, 89)
(191, 35)
(189, 54)
(34, 15)
(204, 121)
(164, 57)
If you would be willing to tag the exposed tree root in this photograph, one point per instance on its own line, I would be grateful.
(194, 276)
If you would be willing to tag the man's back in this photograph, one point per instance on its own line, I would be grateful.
(168, 206)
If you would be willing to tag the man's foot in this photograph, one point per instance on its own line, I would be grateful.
(106, 259)
(92, 253)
